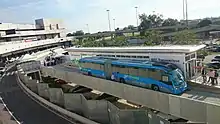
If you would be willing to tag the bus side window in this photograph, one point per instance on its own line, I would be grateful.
(133, 71)
(96, 66)
(165, 79)
(155, 74)
(101, 67)
(115, 68)
(124, 70)
(142, 72)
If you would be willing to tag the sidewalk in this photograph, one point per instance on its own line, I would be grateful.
(199, 80)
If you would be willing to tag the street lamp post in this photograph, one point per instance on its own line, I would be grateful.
(88, 28)
(137, 14)
(109, 22)
(114, 24)
(186, 12)
(183, 9)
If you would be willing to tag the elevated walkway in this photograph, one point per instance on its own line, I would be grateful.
(194, 105)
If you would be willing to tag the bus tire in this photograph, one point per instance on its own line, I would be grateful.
(155, 87)
(122, 80)
(89, 73)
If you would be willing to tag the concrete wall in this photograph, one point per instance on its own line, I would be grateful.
(43, 90)
(100, 111)
(56, 96)
(183, 107)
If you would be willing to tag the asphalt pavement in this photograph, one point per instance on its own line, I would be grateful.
(25, 109)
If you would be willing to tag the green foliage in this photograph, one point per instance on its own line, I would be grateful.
(204, 23)
(185, 37)
(170, 22)
(203, 52)
(79, 33)
(131, 27)
(153, 21)
(153, 37)
(118, 42)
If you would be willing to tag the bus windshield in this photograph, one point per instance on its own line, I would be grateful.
(177, 78)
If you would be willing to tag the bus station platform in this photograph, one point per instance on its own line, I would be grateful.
(199, 80)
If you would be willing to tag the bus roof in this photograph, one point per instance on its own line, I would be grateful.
(131, 63)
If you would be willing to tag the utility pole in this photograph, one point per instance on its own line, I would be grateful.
(109, 22)
(114, 24)
(137, 14)
(183, 9)
(88, 28)
(187, 13)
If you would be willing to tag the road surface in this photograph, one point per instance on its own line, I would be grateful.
(25, 109)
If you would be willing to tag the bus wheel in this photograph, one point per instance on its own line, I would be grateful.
(155, 88)
(89, 73)
(122, 80)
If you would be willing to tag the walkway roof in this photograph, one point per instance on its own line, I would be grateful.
(160, 49)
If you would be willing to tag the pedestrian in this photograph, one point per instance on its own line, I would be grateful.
(211, 76)
(216, 77)
(204, 75)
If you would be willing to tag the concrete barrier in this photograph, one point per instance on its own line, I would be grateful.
(211, 116)
(102, 111)
(198, 110)
(55, 107)
(98, 111)
(43, 90)
(33, 87)
(73, 102)
(175, 105)
(56, 96)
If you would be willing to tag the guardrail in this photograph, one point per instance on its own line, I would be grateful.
(61, 111)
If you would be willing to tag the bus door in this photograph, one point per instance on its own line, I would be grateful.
(108, 69)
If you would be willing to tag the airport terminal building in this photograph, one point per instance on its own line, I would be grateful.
(17, 39)
(184, 57)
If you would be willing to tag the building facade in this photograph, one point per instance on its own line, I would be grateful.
(16, 39)
(41, 30)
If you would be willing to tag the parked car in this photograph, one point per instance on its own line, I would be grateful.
(2, 70)
(216, 58)
(216, 49)
(214, 65)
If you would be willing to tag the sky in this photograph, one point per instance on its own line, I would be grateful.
(76, 14)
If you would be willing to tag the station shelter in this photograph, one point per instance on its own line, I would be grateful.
(184, 57)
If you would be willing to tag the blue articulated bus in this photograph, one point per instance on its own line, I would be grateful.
(147, 74)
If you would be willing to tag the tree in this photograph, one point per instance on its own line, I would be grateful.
(204, 23)
(170, 22)
(153, 37)
(149, 21)
(69, 34)
(145, 22)
(120, 41)
(125, 28)
(79, 33)
(131, 27)
(185, 37)
(156, 20)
